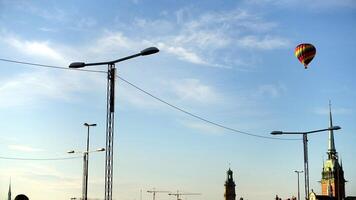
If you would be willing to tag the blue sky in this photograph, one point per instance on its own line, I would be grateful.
(231, 62)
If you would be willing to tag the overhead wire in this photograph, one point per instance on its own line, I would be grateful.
(201, 118)
(51, 66)
(155, 97)
(40, 159)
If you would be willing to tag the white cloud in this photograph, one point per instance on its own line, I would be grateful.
(202, 39)
(86, 22)
(44, 176)
(35, 48)
(183, 54)
(194, 90)
(136, 98)
(270, 90)
(265, 43)
(111, 44)
(46, 29)
(203, 128)
(30, 88)
(181, 91)
(23, 148)
(316, 4)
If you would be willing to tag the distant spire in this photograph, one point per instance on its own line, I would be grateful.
(331, 148)
(323, 163)
(9, 193)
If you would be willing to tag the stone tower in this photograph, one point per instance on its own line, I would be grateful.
(229, 187)
(332, 176)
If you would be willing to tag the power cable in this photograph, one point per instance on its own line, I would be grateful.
(201, 118)
(39, 159)
(51, 66)
(155, 97)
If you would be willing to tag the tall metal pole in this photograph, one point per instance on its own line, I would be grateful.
(298, 188)
(84, 186)
(86, 164)
(306, 165)
(110, 112)
(110, 131)
(298, 172)
(305, 147)
(86, 156)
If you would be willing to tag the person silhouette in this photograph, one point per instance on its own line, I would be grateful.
(21, 197)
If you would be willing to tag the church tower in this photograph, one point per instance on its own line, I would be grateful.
(229, 187)
(332, 176)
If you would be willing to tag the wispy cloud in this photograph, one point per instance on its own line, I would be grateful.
(337, 111)
(30, 88)
(23, 148)
(183, 54)
(316, 4)
(179, 92)
(202, 39)
(265, 43)
(135, 98)
(43, 175)
(41, 49)
(110, 42)
(203, 128)
(194, 90)
(270, 90)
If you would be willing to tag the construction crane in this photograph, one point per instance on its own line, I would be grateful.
(181, 194)
(154, 191)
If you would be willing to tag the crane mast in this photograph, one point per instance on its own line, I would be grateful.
(182, 194)
(156, 191)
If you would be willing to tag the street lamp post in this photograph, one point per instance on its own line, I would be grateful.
(110, 112)
(298, 172)
(85, 170)
(86, 164)
(305, 147)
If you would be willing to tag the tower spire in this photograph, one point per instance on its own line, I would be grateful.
(331, 145)
(332, 176)
(9, 193)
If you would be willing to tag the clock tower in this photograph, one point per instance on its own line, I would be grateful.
(229, 187)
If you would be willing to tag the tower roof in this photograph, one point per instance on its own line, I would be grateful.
(229, 171)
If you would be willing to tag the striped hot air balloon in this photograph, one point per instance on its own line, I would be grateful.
(305, 53)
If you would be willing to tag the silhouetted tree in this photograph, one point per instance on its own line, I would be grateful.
(21, 197)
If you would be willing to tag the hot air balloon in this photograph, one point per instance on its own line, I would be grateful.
(305, 53)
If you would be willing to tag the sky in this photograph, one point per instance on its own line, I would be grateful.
(231, 62)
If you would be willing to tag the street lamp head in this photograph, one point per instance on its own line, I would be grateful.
(77, 65)
(335, 128)
(149, 51)
(101, 149)
(276, 133)
(72, 151)
(86, 124)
